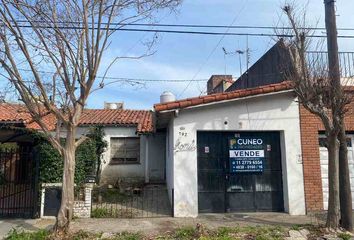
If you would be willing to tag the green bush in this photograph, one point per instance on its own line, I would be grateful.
(51, 163)
(87, 155)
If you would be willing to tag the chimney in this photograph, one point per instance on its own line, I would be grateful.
(219, 83)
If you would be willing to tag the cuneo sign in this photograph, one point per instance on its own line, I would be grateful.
(246, 154)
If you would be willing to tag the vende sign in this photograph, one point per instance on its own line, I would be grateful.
(246, 154)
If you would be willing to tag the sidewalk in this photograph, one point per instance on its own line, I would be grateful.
(6, 225)
(211, 221)
(159, 225)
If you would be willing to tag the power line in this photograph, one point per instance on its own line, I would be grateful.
(212, 51)
(121, 79)
(192, 25)
(187, 32)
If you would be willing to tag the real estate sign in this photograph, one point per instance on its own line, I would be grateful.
(246, 154)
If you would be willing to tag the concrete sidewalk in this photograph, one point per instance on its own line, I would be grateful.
(212, 221)
(160, 225)
(27, 224)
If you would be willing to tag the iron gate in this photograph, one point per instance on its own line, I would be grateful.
(18, 183)
(221, 190)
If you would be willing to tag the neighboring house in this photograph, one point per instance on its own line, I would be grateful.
(131, 144)
(129, 133)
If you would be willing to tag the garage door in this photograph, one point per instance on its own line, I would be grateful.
(324, 167)
(228, 183)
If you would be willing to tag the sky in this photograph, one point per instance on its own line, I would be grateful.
(180, 56)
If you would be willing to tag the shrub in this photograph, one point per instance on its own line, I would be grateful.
(101, 213)
(87, 155)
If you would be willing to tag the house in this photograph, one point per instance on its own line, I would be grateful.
(252, 147)
(198, 165)
(129, 134)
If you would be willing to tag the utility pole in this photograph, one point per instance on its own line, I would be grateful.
(340, 180)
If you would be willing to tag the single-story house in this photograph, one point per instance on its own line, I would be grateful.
(249, 147)
(130, 137)
(200, 169)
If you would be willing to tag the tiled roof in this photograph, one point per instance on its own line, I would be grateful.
(140, 118)
(196, 101)
(13, 113)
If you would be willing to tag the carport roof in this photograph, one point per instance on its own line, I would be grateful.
(219, 97)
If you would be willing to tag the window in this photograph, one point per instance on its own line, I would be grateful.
(125, 150)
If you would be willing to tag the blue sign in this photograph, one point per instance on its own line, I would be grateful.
(246, 155)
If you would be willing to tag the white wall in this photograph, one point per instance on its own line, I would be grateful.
(111, 173)
(278, 112)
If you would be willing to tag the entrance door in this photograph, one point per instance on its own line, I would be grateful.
(211, 172)
(224, 190)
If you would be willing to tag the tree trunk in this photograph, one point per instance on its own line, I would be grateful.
(65, 213)
(344, 183)
(333, 181)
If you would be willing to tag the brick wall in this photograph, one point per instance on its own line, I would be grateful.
(310, 126)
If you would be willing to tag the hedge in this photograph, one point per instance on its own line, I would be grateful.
(88, 155)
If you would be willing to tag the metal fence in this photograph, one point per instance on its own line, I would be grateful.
(346, 61)
(18, 184)
(145, 202)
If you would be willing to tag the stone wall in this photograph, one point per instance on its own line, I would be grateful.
(82, 209)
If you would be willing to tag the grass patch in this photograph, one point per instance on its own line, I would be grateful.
(226, 233)
(101, 213)
(185, 233)
(109, 196)
(107, 212)
(127, 236)
(22, 235)
(344, 236)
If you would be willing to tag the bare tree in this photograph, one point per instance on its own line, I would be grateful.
(69, 37)
(314, 87)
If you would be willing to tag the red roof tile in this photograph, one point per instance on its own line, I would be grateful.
(140, 118)
(189, 102)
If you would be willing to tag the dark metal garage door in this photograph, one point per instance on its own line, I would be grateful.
(221, 188)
